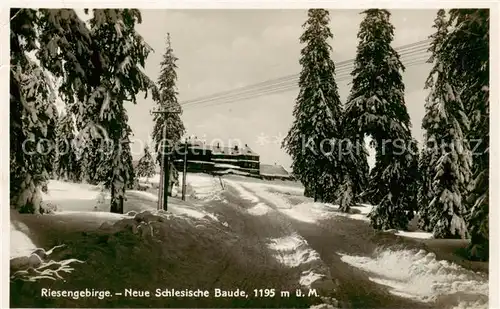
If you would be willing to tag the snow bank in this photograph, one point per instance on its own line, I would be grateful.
(304, 212)
(293, 250)
(419, 276)
(287, 187)
(76, 199)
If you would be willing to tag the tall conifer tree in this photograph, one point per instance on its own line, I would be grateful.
(312, 139)
(448, 166)
(33, 115)
(425, 182)
(123, 53)
(376, 107)
(467, 50)
(167, 100)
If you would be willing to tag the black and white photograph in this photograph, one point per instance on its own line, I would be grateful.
(313, 157)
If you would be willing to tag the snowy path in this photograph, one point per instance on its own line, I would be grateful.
(389, 277)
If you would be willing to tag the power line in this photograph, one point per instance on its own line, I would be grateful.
(417, 46)
(408, 49)
(288, 81)
(271, 89)
(282, 89)
(275, 90)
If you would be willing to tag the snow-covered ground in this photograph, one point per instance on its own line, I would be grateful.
(69, 199)
(415, 275)
(87, 200)
(264, 195)
(294, 251)
(418, 275)
(259, 209)
(84, 202)
(60, 191)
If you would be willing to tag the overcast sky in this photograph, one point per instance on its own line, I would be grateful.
(220, 50)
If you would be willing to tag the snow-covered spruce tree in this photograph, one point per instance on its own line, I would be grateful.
(467, 50)
(100, 67)
(449, 157)
(376, 107)
(67, 164)
(167, 100)
(313, 138)
(68, 52)
(32, 116)
(122, 52)
(424, 195)
(146, 165)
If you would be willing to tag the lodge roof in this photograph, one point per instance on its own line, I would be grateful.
(273, 170)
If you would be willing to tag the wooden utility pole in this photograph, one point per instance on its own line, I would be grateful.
(164, 176)
(165, 171)
(160, 188)
(184, 171)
